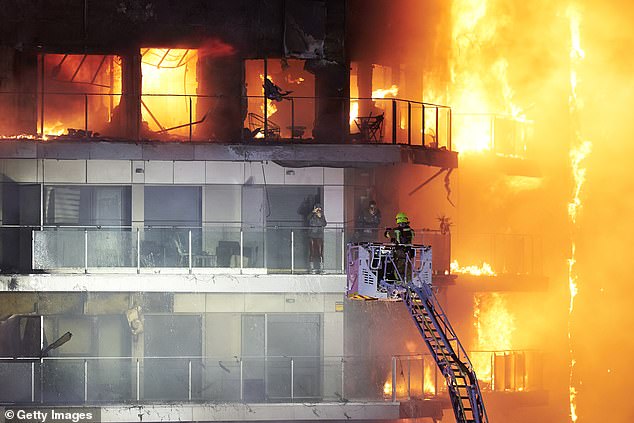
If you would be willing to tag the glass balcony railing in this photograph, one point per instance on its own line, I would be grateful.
(270, 379)
(231, 249)
(276, 250)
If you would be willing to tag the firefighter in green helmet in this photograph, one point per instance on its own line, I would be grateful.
(402, 234)
(403, 237)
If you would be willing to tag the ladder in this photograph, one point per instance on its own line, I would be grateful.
(445, 348)
(368, 266)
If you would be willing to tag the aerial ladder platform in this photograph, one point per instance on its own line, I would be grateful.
(392, 272)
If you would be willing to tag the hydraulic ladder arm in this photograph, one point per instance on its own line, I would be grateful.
(374, 272)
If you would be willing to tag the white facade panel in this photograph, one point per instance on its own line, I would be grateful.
(138, 171)
(20, 170)
(263, 303)
(333, 176)
(333, 203)
(304, 176)
(189, 303)
(263, 172)
(189, 172)
(108, 172)
(303, 303)
(65, 171)
(224, 303)
(159, 172)
(224, 172)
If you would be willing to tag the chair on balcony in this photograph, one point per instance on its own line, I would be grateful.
(257, 124)
(182, 253)
(370, 127)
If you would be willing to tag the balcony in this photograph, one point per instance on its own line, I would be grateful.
(270, 379)
(179, 250)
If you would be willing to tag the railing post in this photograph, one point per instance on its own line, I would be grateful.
(86, 115)
(189, 379)
(394, 122)
(292, 379)
(437, 133)
(138, 250)
(189, 249)
(393, 379)
(32, 381)
(138, 380)
(409, 123)
(241, 250)
(85, 380)
(343, 252)
(450, 130)
(422, 129)
(241, 379)
(292, 251)
(85, 250)
(41, 380)
(190, 119)
(343, 394)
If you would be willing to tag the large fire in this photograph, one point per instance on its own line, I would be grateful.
(169, 88)
(579, 150)
(495, 325)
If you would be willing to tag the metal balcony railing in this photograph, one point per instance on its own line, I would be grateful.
(90, 115)
(262, 379)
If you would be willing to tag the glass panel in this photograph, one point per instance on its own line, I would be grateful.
(63, 381)
(112, 248)
(55, 249)
(20, 375)
(221, 380)
(165, 379)
(111, 380)
(253, 249)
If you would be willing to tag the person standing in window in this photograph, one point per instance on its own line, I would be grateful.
(368, 222)
(316, 222)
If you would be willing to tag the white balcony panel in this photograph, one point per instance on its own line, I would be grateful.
(189, 172)
(65, 171)
(263, 172)
(20, 170)
(159, 172)
(224, 172)
(304, 176)
(108, 172)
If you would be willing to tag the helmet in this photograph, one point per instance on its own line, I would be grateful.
(401, 218)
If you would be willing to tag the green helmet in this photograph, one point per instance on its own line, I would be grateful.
(401, 218)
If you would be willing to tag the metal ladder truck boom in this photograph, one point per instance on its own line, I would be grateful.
(403, 273)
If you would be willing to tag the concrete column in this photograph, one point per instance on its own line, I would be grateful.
(223, 80)
(130, 107)
(18, 74)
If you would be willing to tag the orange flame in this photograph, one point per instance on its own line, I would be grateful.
(382, 93)
(271, 108)
(578, 152)
(495, 326)
(484, 270)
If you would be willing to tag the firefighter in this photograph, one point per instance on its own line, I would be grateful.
(402, 236)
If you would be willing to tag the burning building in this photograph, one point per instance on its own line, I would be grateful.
(159, 161)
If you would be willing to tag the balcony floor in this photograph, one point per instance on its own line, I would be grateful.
(287, 153)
